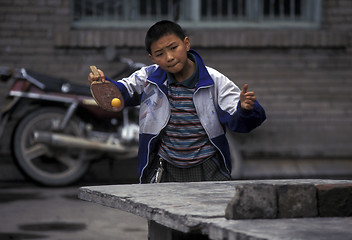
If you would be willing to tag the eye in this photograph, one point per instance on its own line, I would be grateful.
(159, 54)
(174, 47)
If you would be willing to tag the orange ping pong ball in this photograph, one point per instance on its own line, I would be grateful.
(115, 102)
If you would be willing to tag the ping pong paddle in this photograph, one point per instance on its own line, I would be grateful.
(104, 93)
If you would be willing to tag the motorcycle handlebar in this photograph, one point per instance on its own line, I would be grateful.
(112, 55)
(131, 66)
(6, 73)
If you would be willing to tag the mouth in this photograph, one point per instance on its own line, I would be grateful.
(171, 66)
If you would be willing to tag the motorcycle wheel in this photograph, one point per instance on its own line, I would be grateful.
(47, 164)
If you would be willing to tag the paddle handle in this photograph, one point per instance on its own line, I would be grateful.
(94, 70)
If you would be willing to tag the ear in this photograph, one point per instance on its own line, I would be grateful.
(187, 43)
(151, 57)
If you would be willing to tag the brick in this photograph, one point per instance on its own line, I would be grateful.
(253, 201)
(54, 3)
(334, 200)
(296, 201)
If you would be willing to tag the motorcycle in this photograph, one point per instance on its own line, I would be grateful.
(58, 127)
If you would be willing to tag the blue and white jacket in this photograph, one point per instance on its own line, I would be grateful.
(216, 99)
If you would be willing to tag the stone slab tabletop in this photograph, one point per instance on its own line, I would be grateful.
(188, 207)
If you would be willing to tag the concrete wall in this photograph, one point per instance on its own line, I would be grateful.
(302, 77)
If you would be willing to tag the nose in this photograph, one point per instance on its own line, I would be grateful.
(169, 56)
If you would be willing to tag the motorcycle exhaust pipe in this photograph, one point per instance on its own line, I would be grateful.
(67, 141)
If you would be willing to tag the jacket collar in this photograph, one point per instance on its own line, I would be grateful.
(160, 75)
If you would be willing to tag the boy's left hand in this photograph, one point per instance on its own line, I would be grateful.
(247, 98)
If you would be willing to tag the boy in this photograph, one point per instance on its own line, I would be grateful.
(184, 108)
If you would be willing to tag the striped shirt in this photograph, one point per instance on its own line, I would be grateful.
(184, 142)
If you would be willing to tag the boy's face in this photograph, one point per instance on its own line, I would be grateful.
(170, 53)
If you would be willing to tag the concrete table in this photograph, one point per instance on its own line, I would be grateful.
(197, 211)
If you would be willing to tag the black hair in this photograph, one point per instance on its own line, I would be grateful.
(161, 29)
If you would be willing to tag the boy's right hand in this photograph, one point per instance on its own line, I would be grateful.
(100, 77)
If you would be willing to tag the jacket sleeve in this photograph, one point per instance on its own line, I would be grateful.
(229, 107)
(132, 87)
(246, 120)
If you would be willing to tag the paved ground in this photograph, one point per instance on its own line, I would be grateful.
(31, 212)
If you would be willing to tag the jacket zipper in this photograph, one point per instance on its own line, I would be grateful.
(201, 121)
(148, 153)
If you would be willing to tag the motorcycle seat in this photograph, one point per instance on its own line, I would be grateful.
(54, 84)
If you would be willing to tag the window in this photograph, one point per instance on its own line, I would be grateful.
(196, 13)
